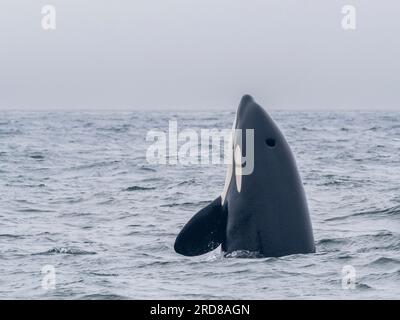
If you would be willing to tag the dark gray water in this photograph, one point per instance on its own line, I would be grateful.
(77, 193)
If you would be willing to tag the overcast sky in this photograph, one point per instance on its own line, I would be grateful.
(191, 54)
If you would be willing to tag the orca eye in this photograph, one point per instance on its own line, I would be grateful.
(270, 142)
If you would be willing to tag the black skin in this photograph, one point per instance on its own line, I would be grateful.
(270, 214)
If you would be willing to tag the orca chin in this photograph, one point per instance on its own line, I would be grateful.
(262, 212)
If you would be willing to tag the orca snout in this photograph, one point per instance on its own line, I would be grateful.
(250, 115)
(245, 104)
(246, 99)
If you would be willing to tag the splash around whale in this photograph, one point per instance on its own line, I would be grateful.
(262, 208)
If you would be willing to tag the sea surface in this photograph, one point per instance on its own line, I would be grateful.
(79, 198)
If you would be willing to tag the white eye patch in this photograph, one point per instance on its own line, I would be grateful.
(229, 170)
(238, 168)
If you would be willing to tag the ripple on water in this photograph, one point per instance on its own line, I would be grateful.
(66, 250)
(139, 188)
(391, 211)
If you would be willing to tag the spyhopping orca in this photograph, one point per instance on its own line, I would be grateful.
(263, 210)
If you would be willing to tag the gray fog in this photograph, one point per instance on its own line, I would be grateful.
(181, 54)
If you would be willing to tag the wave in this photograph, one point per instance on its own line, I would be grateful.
(102, 274)
(66, 250)
(116, 129)
(36, 156)
(363, 286)
(184, 183)
(11, 236)
(385, 261)
(392, 211)
(139, 188)
(244, 254)
(98, 164)
(144, 168)
(188, 204)
(378, 235)
(361, 243)
(10, 132)
(32, 210)
(100, 296)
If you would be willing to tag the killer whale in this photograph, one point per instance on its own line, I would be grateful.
(263, 212)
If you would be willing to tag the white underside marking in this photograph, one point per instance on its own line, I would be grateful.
(238, 168)
(229, 170)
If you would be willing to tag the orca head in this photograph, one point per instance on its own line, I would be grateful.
(255, 137)
(251, 116)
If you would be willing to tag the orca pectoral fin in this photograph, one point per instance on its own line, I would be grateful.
(204, 232)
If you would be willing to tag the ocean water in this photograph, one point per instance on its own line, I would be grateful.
(77, 193)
